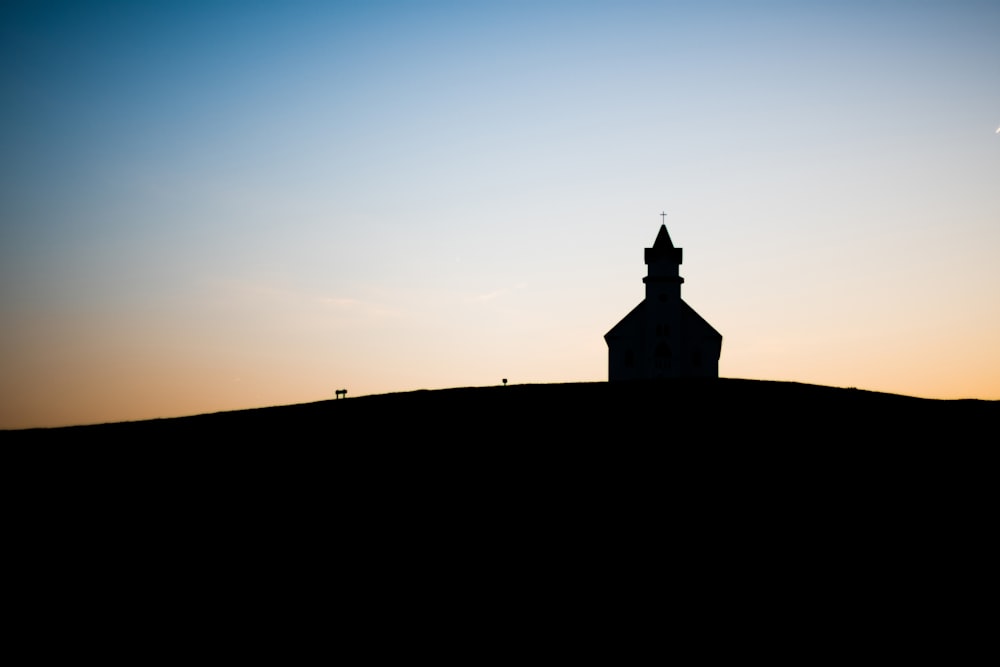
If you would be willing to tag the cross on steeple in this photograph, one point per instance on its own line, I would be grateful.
(663, 217)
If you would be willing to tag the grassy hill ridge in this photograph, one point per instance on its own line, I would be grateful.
(645, 411)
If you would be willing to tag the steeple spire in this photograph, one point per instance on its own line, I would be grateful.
(663, 249)
(663, 239)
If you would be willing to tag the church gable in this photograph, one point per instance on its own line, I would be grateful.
(625, 339)
(629, 325)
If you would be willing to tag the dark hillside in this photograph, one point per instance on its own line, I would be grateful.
(724, 488)
(676, 412)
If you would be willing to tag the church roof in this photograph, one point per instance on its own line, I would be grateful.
(636, 318)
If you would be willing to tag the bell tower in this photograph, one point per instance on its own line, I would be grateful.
(661, 340)
(663, 261)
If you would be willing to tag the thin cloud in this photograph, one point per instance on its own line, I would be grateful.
(489, 296)
(340, 302)
(495, 294)
(276, 295)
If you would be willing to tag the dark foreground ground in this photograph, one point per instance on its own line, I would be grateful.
(739, 515)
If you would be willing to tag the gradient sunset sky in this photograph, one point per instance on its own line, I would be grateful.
(212, 205)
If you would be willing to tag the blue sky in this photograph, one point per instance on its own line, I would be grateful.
(216, 205)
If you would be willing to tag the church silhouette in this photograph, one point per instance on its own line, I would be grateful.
(663, 337)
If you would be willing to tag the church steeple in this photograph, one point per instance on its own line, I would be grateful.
(663, 278)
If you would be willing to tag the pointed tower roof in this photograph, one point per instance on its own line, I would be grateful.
(663, 249)
(662, 239)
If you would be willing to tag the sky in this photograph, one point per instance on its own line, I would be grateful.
(212, 205)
